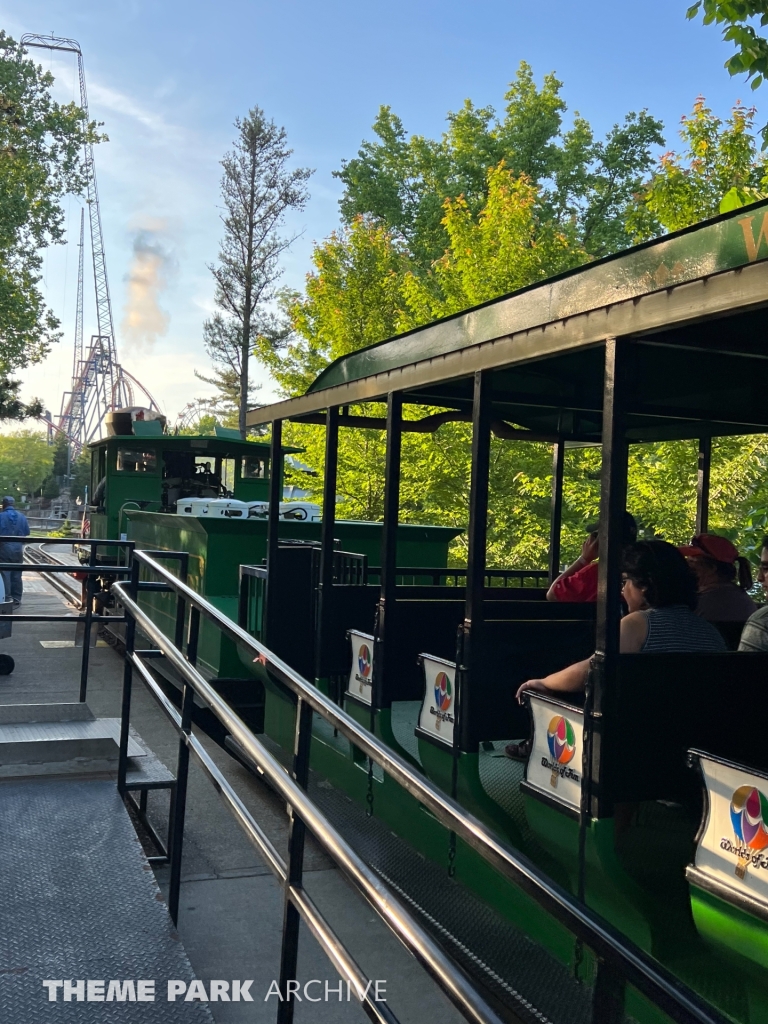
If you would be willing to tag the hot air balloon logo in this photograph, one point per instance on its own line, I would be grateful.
(562, 745)
(364, 660)
(443, 691)
(749, 812)
(561, 739)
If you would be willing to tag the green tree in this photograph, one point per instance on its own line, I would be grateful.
(258, 189)
(719, 169)
(586, 185)
(41, 145)
(61, 457)
(353, 298)
(81, 475)
(25, 461)
(503, 230)
(751, 57)
(222, 340)
(508, 245)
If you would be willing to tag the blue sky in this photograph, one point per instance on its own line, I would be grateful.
(168, 79)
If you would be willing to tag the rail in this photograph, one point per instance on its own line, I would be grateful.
(619, 962)
(458, 577)
(91, 572)
(35, 555)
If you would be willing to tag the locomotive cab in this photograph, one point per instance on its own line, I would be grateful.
(155, 472)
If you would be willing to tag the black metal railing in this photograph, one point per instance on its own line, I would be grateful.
(89, 572)
(428, 575)
(619, 962)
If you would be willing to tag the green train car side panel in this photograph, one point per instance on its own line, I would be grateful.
(731, 929)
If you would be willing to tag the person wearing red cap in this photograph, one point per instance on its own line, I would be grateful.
(754, 636)
(724, 577)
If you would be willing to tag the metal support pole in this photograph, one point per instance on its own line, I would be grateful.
(181, 604)
(179, 802)
(326, 537)
(273, 524)
(383, 642)
(289, 951)
(613, 502)
(702, 484)
(87, 622)
(556, 515)
(125, 711)
(476, 556)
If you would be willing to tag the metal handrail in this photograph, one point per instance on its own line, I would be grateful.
(453, 982)
(90, 572)
(637, 968)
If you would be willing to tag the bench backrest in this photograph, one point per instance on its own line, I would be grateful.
(506, 654)
(664, 704)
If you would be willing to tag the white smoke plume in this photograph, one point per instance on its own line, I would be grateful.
(144, 321)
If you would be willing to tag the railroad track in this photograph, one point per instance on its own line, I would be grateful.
(71, 589)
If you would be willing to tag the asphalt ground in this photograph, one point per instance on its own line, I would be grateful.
(231, 907)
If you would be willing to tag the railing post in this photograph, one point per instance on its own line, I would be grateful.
(289, 951)
(125, 711)
(179, 803)
(181, 604)
(86, 637)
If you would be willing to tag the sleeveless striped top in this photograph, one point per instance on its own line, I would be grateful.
(677, 628)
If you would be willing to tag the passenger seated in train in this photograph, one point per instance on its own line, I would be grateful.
(724, 577)
(660, 591)
(754, 636)
(578, 583)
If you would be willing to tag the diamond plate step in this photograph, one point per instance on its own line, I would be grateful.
(35, 734)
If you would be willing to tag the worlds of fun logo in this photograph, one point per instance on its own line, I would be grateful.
(364, 660)
(749, 813)
(443, 691)
(561, 739)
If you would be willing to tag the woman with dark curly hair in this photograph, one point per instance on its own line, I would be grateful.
(660, 591)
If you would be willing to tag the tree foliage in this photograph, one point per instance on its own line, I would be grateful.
(719, 169)
(258, 189)
(41, 145)
(432, 228)
(222, 340)
(585, 185)
(25, 462)
(751, 57)
(508, 245)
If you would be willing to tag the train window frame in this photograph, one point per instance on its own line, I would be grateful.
(149, 459)
(246, 460)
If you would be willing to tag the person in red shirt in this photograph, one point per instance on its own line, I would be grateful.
(578, 583)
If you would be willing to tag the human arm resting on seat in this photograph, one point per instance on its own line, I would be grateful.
(634, 629)
(587, 556)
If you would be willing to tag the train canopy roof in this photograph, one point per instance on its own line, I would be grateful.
(693, 304)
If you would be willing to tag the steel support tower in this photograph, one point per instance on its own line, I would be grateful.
(99, 383)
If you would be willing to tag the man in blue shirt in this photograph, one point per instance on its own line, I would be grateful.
(12, 524)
